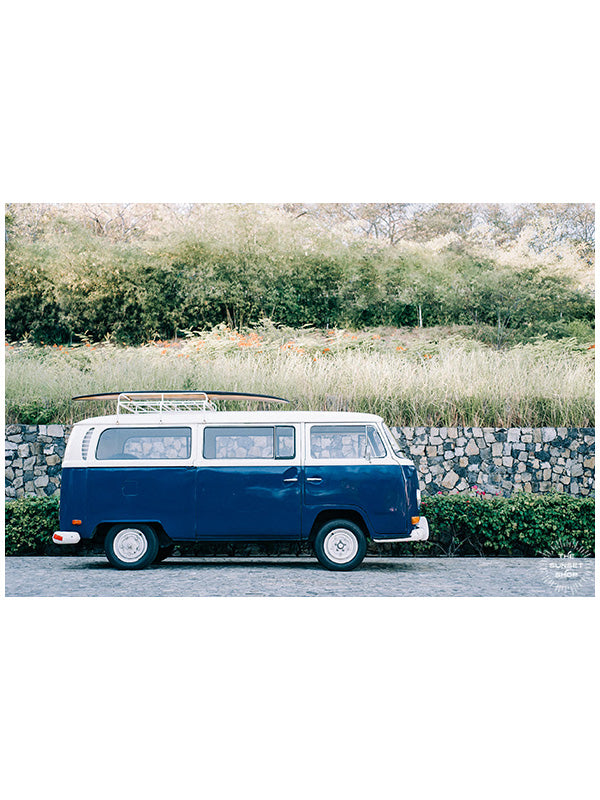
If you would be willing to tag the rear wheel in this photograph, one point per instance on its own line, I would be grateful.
(131, 546)
(340, 545)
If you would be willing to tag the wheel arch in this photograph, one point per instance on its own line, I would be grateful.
(102, 529)
(338, 513)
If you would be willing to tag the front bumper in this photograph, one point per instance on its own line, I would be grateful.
(420, 533)
(66, 537)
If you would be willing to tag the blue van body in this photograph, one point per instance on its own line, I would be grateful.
(206, 491)
(238, 503)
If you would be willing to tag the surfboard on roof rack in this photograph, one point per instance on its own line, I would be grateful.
(150, 402)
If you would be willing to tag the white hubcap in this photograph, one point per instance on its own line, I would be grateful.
(340, 545)
(130, 545)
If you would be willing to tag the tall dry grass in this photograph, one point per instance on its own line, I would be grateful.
(408, 380)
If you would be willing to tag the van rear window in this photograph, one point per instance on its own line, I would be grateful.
(117, 444)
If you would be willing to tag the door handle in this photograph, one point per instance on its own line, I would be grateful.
(290, 480)
(314, 480)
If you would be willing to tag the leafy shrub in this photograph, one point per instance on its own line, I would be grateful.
(579, 330)
(30, 523)
(521, 525)
(37, 412)
(68, 283)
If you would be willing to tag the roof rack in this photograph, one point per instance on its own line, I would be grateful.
(152, 403)
(157, 402)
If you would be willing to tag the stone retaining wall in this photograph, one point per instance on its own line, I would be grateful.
(495, 460)
(33, 457)
(502, 461)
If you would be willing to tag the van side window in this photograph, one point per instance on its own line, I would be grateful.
(246, 443)
(144, 443)
(345, 441)
(284, 442)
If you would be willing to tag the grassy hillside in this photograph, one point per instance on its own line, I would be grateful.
(433, 376)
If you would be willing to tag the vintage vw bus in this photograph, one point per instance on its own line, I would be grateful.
(170, 468)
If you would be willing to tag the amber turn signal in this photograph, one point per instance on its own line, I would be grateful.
(415, 520)
(75, 522)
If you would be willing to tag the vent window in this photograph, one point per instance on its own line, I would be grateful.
(85, 444)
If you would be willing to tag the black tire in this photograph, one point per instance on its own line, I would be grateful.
(132, 546)
(340, 545)
(164, 552)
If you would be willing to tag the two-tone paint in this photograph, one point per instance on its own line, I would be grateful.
(201, 499)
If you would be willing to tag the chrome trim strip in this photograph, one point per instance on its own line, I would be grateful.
(383, 541)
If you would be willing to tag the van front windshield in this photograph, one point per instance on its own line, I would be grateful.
(393, 441)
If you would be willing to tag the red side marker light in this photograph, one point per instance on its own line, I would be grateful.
(58, 537)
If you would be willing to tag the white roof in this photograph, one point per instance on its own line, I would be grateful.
(231, 417)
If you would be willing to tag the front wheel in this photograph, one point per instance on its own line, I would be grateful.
(131, 546)
(340, 545)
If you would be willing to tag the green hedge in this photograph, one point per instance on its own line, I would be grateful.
(30, 523)
(521, 525)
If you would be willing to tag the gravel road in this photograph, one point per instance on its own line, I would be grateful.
(301, 577)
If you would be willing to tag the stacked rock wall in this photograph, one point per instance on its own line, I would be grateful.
(502, 461)
(33, 458)
(495, 460)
